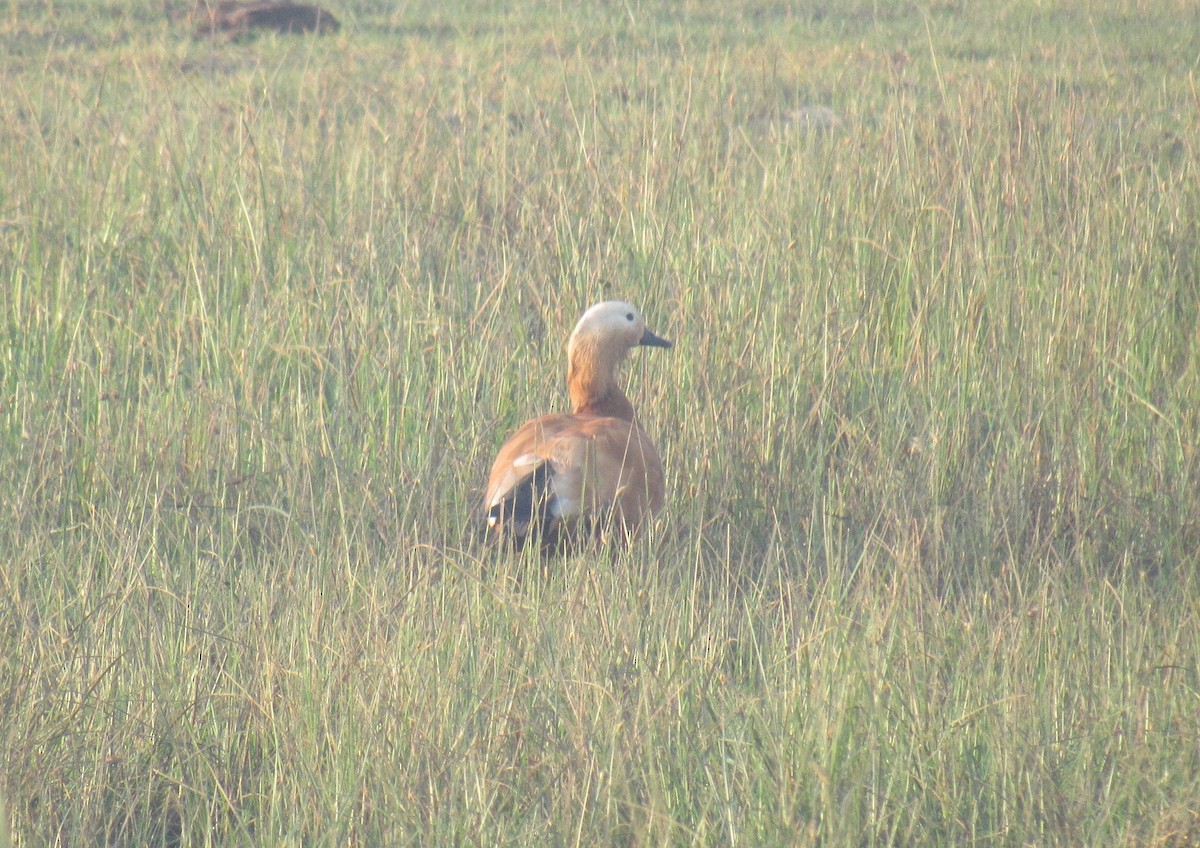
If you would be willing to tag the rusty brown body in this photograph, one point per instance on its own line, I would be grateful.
(591, 474)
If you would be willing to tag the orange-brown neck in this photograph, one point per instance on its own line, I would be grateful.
(591, 380)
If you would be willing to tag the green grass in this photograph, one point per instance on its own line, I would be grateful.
(928, 575)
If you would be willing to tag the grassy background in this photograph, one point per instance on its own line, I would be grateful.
(929, 570)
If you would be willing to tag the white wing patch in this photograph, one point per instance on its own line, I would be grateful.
(526, 462)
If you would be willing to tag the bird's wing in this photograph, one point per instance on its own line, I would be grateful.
(597, 466)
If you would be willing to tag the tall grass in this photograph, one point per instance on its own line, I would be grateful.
(928, 572)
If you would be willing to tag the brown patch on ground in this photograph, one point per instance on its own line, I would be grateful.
(236, 19)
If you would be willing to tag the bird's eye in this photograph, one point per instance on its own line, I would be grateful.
(628, 316)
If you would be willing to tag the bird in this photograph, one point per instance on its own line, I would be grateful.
(567, 480)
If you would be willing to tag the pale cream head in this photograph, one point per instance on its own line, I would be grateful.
(602, 338)
(613, 326)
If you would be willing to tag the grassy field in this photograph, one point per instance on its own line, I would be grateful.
(929, 570)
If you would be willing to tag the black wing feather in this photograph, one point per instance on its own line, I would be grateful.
(527, 508)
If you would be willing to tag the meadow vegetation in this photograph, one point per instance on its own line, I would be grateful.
(928, 573)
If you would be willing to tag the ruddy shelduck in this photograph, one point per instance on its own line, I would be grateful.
(590, 475)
